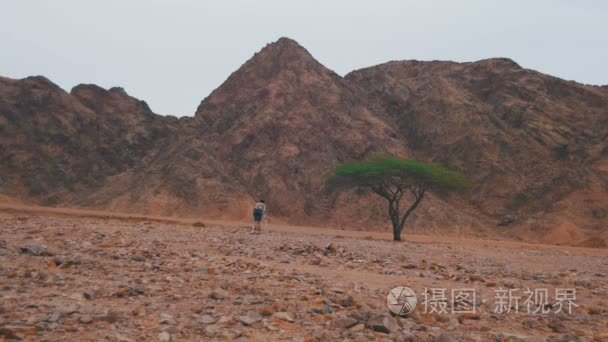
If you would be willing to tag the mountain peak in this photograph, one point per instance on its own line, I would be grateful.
(286, 41)
(283, 51)
(283, 64)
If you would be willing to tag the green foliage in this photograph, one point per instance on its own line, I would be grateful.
(392, 177)
(393, 170)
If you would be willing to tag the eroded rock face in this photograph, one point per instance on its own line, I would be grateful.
(533, 145)
(282, 122)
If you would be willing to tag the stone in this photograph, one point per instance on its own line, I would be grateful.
(165, 318)
(14, 332)
(407, 337)
(164, 337)
(446, 337)
(267, 310)
(69, 309)
(357, 328)
(514, 337)
(207, 319)
(218, 294)
(383, 323)
(54, 317)
(320, 334)
(345, 300)
(85, 319)
(249, 318)
(138, 257)
(453, 323)
(109, 316)
(284, 316)
(226, 320)
(557, 326)
(343, 322)
(36, 250)
(442, 318)
(507, 220)
(601, 337)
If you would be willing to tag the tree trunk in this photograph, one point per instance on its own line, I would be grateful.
(393, 197)
(393, 211)
(396, 234)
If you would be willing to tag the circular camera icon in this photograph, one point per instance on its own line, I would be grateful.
(401, 300)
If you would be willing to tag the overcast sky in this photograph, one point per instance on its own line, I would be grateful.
(173, 53)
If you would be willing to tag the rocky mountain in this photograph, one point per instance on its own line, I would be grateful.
(536, 147)
(282, 122)
(57, 146)
(528, 141)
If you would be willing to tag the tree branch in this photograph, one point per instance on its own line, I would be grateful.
(418, 195)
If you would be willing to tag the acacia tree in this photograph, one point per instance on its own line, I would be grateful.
(393, 178)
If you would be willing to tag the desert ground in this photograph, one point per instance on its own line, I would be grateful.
(69, 274)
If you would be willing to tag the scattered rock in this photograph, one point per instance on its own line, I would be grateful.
(557, 325)
(344, 300)
(284, 316)
(17, 332)
(207, 319)
(343, 322)
(442, 318)
(446, 337)
(249, 318)
(358, 328)
(601, 337)
(383, 323)
(138, 257)
(266, 310)
(85, 319)
(164, 337)
(36, 250)
(54, 317)
(507, 220)
(109, 316)
(165, 318)
(218, 294)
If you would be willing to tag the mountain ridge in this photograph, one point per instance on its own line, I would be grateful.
(533, 144)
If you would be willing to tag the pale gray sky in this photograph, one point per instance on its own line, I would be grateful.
(173, 53)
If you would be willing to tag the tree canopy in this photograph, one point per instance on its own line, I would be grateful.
(393, 177)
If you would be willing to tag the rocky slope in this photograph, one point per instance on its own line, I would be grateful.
(82, 278)
(98, 148)
(282, 122)
(534, 145)
(527, 140)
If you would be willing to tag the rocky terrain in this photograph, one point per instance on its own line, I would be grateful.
(69, 277)
(533, 145)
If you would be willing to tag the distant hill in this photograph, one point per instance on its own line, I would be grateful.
(535, 147)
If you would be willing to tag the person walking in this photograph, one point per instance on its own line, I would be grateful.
(259, 212)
